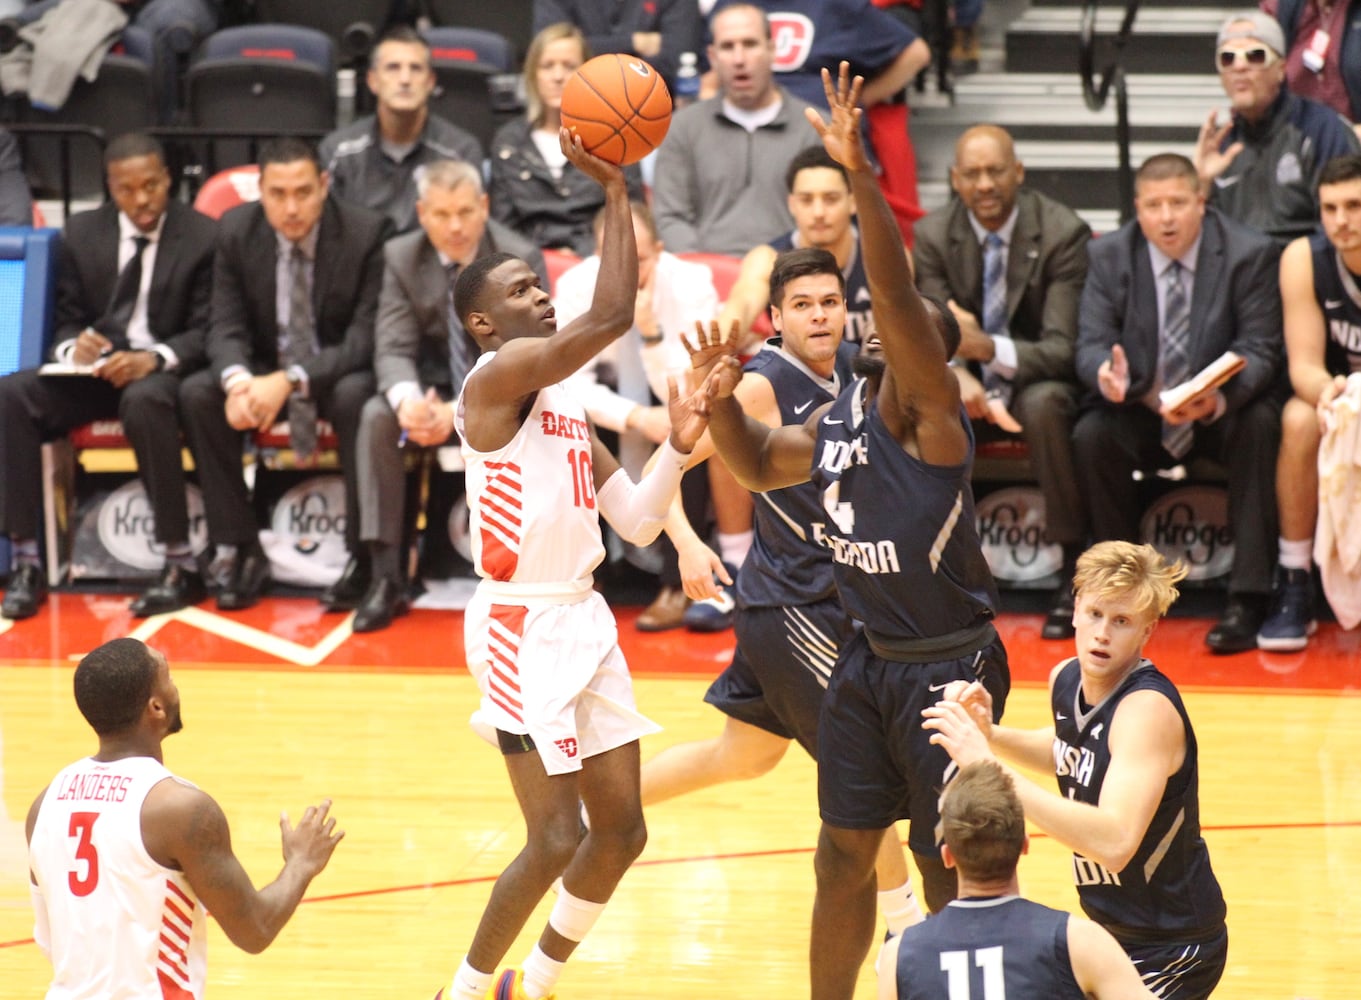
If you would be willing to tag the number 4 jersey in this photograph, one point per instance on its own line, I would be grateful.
(531, 504)
(120, 925)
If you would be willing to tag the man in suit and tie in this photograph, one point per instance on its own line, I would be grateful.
(295, 288)
(1011, 262)
(1166, 295)
(421, 355)
(133, 287)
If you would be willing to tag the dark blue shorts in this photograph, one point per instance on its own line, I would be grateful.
(1183, 971)
(876, 764)
(779, 672)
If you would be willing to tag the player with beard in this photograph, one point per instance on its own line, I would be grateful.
(891, 458)
(126, 859)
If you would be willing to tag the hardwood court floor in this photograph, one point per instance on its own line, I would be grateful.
(282, 707)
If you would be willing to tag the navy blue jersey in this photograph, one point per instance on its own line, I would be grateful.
(1167, 892)
(858, 317)
(811, 34)
(902, 533)
(1340, 299)
(787, 566)
(1005, 946)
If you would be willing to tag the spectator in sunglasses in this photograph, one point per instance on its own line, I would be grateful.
(1261, 166)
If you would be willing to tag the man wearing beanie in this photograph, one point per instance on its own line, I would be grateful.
(1261, 166)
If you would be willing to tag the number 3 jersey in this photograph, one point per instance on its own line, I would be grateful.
(121, 926)
(531, 504)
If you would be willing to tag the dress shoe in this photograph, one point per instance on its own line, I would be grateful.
(386, 599)
(667, 611)
(250, 576)
(176, 588)
(1236, 630)
(26, 592)
(348, 591)
(1058, 624)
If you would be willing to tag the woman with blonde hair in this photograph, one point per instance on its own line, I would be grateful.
(534, 190)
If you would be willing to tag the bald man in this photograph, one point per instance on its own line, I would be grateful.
(1016, 354)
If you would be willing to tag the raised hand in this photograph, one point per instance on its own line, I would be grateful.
(312, 842)
(689, 416)
(601, 171)
(1112, 378)
(708, 348)
(841, 136)
(1210, 161)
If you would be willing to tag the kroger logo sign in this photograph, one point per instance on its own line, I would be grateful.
(127, 528)
(1011, 530)
(310, 518)
(1192, 524)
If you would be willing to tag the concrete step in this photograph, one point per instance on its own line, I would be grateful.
(1176, 39)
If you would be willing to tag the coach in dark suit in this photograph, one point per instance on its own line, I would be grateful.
(1166, 295)
(420, 358)
(1011, 263)
(295, 287)
(133, 286)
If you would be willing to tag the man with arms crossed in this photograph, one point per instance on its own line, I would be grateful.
(1124, 753)
(912, 571)
(126, 859)
(990, 936)
(540, 641)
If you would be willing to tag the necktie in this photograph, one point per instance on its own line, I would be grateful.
(995, 309)
(125, 291)
(459, 355)
(1175, 357)
(298, 345)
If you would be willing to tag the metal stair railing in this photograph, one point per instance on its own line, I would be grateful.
(1112, 79)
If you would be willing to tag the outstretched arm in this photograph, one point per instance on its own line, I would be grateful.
(184, 828)
(919, 398)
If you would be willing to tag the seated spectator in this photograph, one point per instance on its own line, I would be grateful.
(622, 389)
(824, 211)
(295, 287)
(1322, 51)
(1261, 167)
(373, 161)
(534, 190)
(1167, 294)
(657, 30)
(421, 355)
(1319, 298)
(141, 345)
(717, 186)
(1011, 263)
(16, 200)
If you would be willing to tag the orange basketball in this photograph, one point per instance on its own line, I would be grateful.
(619, 106)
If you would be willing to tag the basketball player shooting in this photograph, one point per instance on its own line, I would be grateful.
(912, 570)
(541, 643)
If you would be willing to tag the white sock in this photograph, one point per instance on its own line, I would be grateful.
(469, 984)
(733, 548)
(541, 974)
(1296, 554)
(899, 907)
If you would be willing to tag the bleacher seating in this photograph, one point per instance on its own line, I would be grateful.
(122, 99)
(558, 261)
(474, 85)
(266, 77)
(228, 188)
(354, 25)
(511, 19)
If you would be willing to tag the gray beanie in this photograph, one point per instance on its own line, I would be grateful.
(1256, 25)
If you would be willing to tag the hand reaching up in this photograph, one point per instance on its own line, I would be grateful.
(841, 136)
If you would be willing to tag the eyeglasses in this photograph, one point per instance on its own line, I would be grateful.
(1229, 58)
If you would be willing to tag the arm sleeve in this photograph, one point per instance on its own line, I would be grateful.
(638, 511)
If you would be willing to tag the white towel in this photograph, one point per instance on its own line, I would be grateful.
(1337, 550)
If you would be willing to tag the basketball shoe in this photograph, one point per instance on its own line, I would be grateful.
(508, 986)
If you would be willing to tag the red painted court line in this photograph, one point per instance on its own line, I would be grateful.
(739, 856)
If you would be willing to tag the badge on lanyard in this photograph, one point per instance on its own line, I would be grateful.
(1317, 50)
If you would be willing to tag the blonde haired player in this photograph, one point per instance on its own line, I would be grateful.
(540, 641)
(1125, 756)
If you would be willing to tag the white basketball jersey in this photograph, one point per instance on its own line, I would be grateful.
(531, 504)
(122, 927)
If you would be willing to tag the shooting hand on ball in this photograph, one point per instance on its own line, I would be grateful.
(601, 171)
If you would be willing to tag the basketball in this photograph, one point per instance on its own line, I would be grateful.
(619, 106)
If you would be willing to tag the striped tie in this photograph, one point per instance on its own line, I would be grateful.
(995, 308)
(1175, 356)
